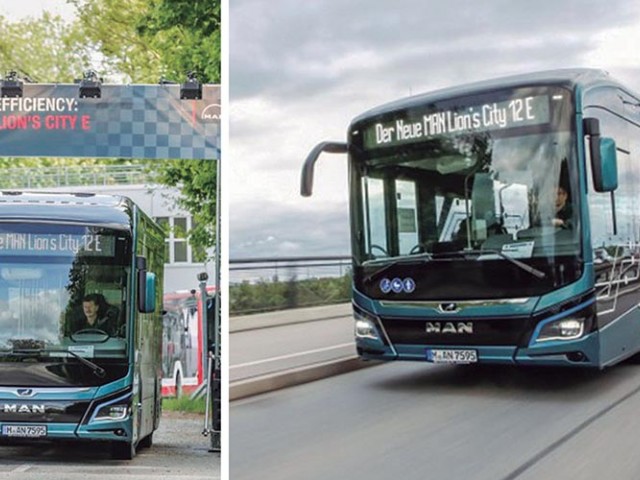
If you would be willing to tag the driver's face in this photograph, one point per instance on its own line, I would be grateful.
(90, 309)
(561, 198)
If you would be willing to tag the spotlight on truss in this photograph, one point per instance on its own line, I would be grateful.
(191, 89)
(11, 85)
(90, 85)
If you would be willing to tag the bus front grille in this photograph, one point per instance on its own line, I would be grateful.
(458, 331)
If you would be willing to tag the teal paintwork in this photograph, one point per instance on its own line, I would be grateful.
(121, 213)
(604, 347)
(609, 164)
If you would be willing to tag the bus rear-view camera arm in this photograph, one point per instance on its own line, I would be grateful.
(306, 183)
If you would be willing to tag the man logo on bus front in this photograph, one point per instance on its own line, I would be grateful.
(449, 307)
(449, 327)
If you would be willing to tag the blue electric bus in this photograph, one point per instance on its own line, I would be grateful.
(80, 320)
(497, 222)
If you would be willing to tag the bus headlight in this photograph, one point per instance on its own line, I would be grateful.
(565, 329)
(365, 326)
(366, 329)
(115, 412)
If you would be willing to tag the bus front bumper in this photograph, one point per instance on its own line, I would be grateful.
(582, 352)
(113, 431)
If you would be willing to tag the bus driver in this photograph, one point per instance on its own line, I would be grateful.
(96, 314)
(564, 212)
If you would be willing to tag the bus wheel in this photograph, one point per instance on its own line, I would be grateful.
(633, 359)
(123, 450)
(146, 442)
(178, 385)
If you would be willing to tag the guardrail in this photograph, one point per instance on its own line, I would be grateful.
(289, 267)
(69, 176)
(267, 284)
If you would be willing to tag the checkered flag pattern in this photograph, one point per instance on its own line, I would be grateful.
(127, 121)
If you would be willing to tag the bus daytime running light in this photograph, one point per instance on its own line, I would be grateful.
(565, 329)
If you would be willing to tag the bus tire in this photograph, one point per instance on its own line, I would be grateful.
(146, 442)
(123, 450)
(633, 359)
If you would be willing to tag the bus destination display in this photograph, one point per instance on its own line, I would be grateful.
(516, 112)
(56, 244)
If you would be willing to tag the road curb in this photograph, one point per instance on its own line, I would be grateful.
(297, 376)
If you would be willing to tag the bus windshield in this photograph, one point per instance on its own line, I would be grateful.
(62, 288)
(467, 201)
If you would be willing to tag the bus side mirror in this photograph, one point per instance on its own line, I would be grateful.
(150, 293)
(306, 180)
(608, 165)
(604, 164)
(146, 287)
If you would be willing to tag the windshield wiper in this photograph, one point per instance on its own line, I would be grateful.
(527, 268)
(405, 260)
(96, 369)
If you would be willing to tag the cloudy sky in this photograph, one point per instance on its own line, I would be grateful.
(18, 9)
(300, 71)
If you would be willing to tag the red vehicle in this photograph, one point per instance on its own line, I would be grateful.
(182, 343)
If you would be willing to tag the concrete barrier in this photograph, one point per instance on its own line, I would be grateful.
(309, 373)
(295, 376)
(256, 321)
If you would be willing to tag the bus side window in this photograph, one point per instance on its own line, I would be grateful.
(600, 204)
(406, 207)
(375, 217)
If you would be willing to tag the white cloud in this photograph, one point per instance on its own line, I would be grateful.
(617, 50)
(301, 71)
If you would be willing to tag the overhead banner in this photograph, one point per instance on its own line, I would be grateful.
(127, 121)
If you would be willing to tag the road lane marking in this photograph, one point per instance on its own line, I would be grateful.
(21, 468)
(292, 355)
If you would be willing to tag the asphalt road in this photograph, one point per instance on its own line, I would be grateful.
(179, 453)
(283, 347)
(423, 421)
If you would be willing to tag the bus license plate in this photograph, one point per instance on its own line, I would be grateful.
(27, 431)
(452, 356)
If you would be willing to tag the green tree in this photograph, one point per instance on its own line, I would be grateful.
(263, 296)
(149, 39)
(196, 180)
(187, 35)
(111, 27)
(44, 49)
(47, 49)
(146, 40)
(128, 40)
(187, 32)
